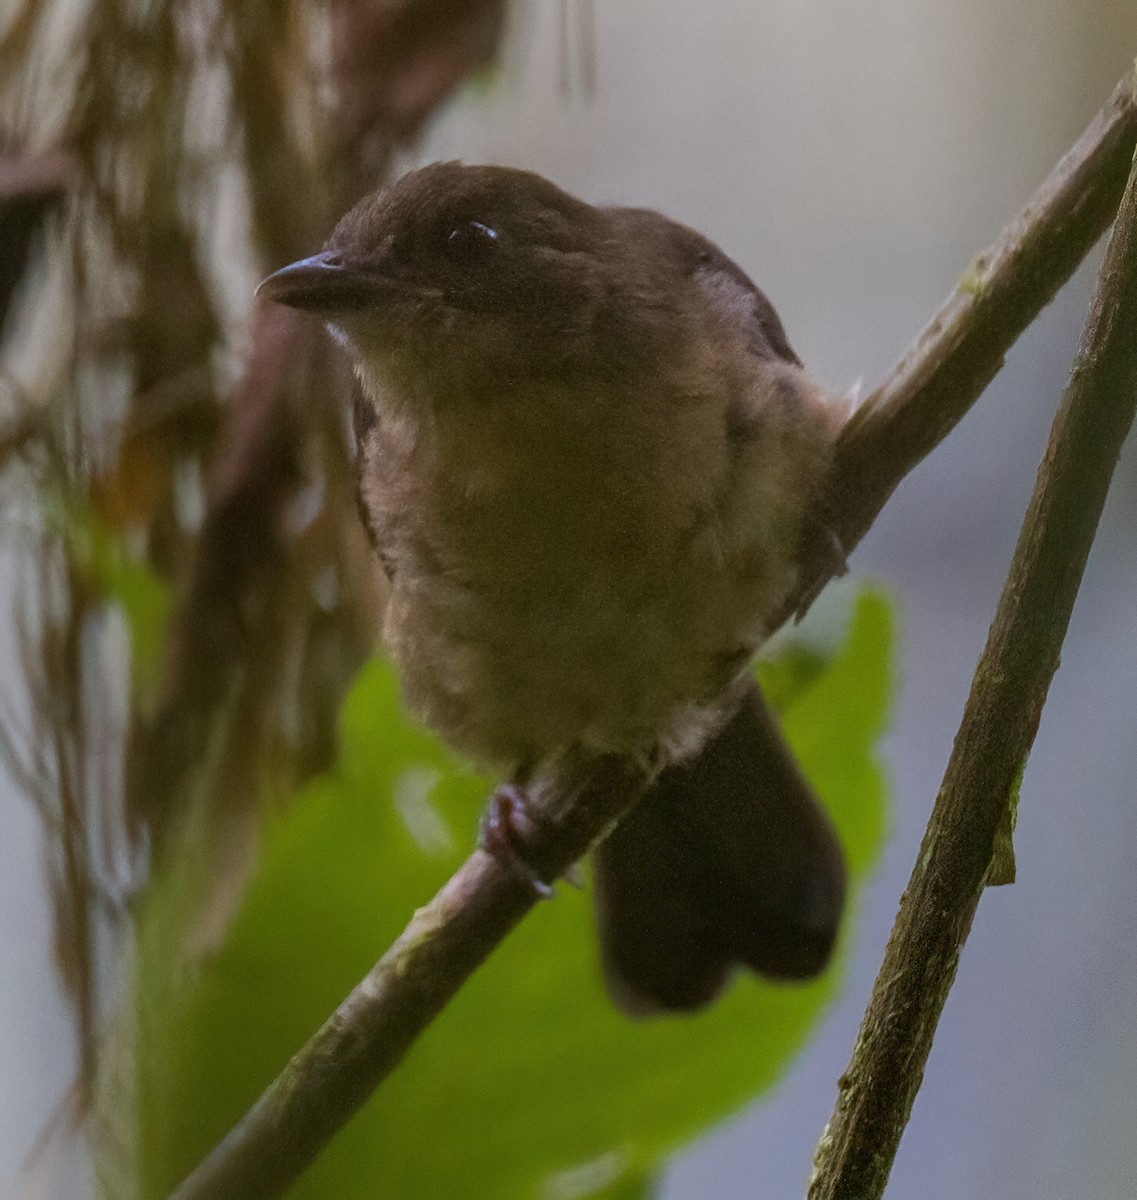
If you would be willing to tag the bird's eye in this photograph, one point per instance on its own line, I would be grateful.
(471, 242)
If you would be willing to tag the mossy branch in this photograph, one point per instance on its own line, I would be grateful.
(994, 739)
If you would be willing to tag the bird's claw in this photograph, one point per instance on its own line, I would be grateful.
(506, 829)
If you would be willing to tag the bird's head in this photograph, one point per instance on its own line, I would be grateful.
(468, 276)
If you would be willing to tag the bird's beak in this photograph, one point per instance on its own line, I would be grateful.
(325, 283)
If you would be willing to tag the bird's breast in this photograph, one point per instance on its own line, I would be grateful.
(595, 590)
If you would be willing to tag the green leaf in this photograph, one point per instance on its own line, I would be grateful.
(530, 1085)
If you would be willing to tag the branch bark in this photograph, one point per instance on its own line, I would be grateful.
(914, 409)
(877, 1091)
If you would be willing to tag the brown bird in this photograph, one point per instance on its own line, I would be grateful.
(588, 456)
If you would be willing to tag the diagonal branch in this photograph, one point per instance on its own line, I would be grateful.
(367, 1036)
(918, 404)
(961, 349)
(999, 723)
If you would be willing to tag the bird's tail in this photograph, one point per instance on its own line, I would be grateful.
(727, 860)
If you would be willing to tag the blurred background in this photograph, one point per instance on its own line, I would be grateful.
(852, 158)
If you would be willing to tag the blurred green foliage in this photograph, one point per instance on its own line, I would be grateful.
(530, 1085)
(121, 577)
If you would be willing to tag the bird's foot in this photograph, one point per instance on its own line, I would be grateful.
(507, 827)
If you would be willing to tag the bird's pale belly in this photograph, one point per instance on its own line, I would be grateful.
(562, 594)
(631, 659)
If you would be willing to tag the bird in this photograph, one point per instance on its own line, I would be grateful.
(588, 459)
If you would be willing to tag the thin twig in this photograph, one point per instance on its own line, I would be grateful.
(876, 1093)
(371, 1031)
(961, 349)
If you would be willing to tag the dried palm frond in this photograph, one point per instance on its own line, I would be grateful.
(195, 595)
